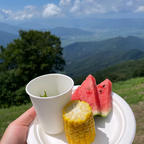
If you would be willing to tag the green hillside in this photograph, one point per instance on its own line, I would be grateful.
(119, 72)
(88, 57)
(122, 71)
(131, 90)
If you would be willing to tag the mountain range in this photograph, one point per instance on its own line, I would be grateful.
(89, 23)
(6, 37)
(89, 29)
(91, 55)
(65, 32)
(9, 28)
(83, 58)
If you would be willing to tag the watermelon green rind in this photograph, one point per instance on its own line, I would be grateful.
(105, 97)
(105, 114)
(95, 112)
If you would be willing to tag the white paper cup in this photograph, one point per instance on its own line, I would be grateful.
(49, 109)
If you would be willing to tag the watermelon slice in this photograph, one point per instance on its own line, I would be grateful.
(88, 92)
(105, 97)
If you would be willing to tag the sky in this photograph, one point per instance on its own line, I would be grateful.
(23, 10)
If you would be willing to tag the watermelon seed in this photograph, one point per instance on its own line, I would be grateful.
(103, 86)
(100, 91)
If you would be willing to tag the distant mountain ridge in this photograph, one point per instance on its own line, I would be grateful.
(88, 57)
(6, 38)
(9, 28)
(88, 23)
(110, 23)
(69, 32)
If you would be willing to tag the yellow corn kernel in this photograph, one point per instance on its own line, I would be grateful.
(79, 123)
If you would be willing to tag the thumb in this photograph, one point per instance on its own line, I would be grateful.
(26, 118)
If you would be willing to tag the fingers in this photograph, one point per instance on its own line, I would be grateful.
(26, 118)
(16, 133)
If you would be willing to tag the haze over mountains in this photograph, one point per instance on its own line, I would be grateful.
(90, 45)
(89, 23)
(84, 29)
(6, 37)
(7, 33)
(70, 32)
(67, 35)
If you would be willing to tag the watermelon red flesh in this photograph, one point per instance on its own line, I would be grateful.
(105, 96)
(88, 92)
(76, 95)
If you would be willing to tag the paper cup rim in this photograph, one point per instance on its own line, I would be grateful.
(31, 95)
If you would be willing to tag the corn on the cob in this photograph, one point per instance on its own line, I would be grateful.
(79, 123)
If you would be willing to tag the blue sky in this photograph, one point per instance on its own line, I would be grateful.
(22, 10)
(19, 4)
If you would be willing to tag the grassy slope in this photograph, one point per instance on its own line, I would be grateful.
(138, 110)
(131, 90)
(9, 114)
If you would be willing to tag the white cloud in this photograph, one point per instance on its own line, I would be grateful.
(140, 9)
(64, 2)
(22, 16)
(87, 7)
(5, 14)
(114, 9)
(30, 7)
(76, 6)
(129, 3)
(95, 9)
(51, 10)
(27, 13)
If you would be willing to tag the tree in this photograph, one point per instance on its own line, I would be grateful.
(34, 53)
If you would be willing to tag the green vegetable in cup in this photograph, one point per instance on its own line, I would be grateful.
(45, 94)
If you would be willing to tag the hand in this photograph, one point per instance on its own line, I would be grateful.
(17, 131)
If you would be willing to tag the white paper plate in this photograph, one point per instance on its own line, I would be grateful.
(118, 128)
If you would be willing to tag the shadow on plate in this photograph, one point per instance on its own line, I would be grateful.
(101, 137)
(101, 121)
